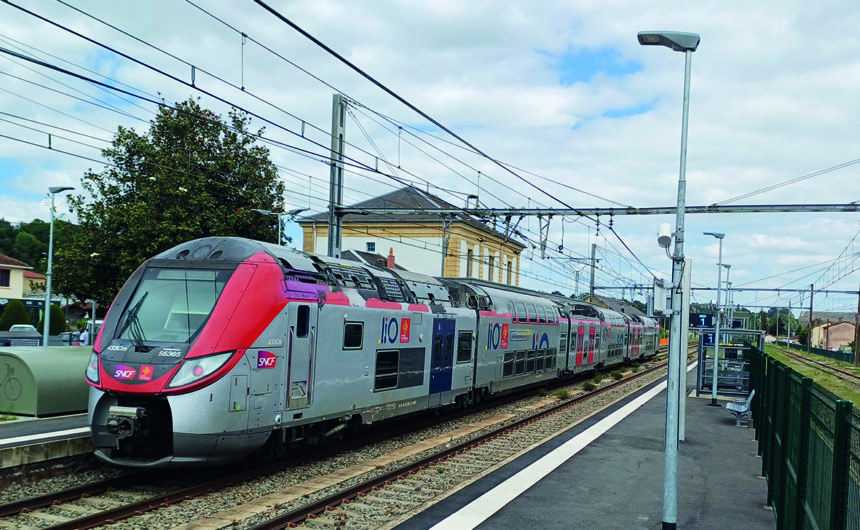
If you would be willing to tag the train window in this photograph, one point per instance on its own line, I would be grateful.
(550, 361)
(353, 332)
(597, 340)
(464, 347)
(591, 335)
(521, 363)
(386, 369)
(539, 361)
(508, 369)
(563, 343)
(521, 312)
(437, 352)
(532, 312)
(530, 362)
(580, 338)
(541, 314)
(512, 311)
(303, 319)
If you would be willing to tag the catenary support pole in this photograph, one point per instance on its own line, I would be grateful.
(335, 222)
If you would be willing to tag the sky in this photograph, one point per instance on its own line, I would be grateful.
(560, 92)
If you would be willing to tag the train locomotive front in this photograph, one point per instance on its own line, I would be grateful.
(170, 366)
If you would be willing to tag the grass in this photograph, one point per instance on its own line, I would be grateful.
(588, 386)
(618, 375)
(561, 394)
(4, 417)
(844, 389)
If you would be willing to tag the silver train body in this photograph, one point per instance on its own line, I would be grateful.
(224, 347)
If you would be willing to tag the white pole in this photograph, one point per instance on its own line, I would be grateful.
(47, 330)
(717, 329)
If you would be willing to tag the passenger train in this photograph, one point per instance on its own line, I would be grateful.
(223, 347)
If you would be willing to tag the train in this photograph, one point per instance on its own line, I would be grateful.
(223, 347)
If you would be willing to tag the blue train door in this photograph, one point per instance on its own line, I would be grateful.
(441, 359)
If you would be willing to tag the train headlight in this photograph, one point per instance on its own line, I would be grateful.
(92, 372)
(193, 370)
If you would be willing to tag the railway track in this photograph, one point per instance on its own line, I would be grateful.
(382, 499)
(824, 367)
(110, 501)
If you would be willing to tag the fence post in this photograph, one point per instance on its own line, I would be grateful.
(803, 449)
(841, 455)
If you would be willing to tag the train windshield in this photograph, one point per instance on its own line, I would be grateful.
(171, 305)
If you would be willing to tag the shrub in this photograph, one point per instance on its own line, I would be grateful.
(58, 321)
(635, 368)
(543, 392)
(588, 386)
(15, 313)
(561, 394)
(598, 377)
(618, 375)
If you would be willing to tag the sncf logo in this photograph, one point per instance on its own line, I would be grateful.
(266, 359)
(124, 372)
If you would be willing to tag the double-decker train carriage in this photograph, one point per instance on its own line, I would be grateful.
(221, 347)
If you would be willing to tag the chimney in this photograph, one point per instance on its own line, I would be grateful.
(390, 263)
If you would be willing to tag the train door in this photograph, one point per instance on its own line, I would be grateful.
(441, 359)
(580, 340)
(590, 344)
(302, 345)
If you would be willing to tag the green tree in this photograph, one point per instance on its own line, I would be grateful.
(7, 237)
(28, 249)
(58, 321)
(15, 313)
(190, 175)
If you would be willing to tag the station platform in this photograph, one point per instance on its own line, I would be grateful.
(607, 472)
(31, 440)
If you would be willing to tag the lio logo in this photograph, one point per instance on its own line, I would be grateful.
(392, 330)
(266, 359)
(540, 344)
(497, 335)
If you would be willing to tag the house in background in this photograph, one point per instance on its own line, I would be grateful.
(34, 283)
(474, 248)
(830, 330)
(12, 282)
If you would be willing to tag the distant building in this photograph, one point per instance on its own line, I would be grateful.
(826, 317)
(12, 284)
(619, 306)
(832, 336)
(475, 248)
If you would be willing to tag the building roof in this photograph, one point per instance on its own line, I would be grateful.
(409, 197)
(33, 275)
(371, 258)
(619, 306)
(827, 316)
(6, 261)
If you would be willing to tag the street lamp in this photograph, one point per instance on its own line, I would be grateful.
(290, 213)
(687, 43)
(717, 323)
(54, 191)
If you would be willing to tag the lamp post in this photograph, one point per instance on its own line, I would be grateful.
(687, 43)
(717, 323)
(291, 213)
(47, 331)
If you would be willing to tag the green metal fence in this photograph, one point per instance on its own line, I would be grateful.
(809, 441)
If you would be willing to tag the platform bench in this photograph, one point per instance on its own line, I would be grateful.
(740, 408)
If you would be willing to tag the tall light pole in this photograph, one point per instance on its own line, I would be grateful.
(290, 213)
(47, 331)
(687, 43)
(717, 319)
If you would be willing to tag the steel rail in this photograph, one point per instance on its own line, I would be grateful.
(346, 495)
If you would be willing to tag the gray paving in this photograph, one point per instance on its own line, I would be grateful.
(617, 482)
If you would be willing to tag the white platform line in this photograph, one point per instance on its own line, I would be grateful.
(43, 436)
(479, 510)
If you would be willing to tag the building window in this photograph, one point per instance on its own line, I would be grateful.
(492, 261)
(371, 246)
(4, 277)
(469, 256)
(510, 268)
